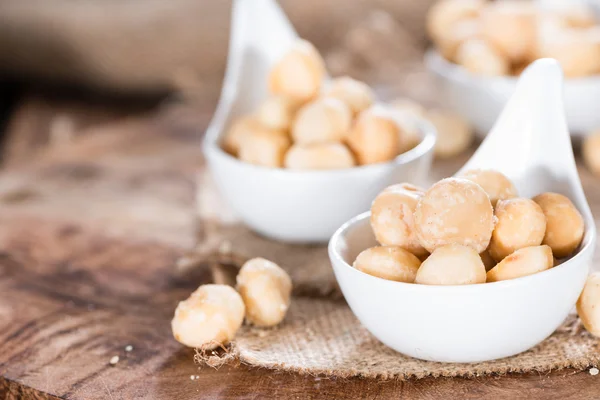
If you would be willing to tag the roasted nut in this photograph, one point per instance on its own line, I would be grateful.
(480, 58)
(408, 106)
(210, 317)
(264, 147)
(388, 262)
(523, 262)
(392, 217)
(564, 223)
(446, 13)
(521, 223)
(376, 136)
(588, 305)
(321, 121)
(577, 50)
(458, 34)
(299, 73)
(451, 265)
(511, 27)
(454, 133)
(277, 112)
(319, 156)
(454, 211)
(495, 184)
(407, 113)
(357, 95)
(239, 130)
(266, 290)
(591, 152)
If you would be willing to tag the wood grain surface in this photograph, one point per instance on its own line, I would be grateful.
(89, 233)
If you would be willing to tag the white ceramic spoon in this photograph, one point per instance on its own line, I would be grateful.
(294, 206)
(530, 143)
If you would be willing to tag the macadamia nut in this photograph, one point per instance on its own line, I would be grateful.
(577, 51)
(495, 184)
(265, 147)
(454, 211)
(511, 27)
(319, 156)
(376, 137)
(588, 305)
(388, 262)
(277, 112)
(408, 106)
(452, 265)
(521, 223)
(523, 262)
(445, 13)
(591, 152)
(480, 58)
(239, 130)
(564, 223)
(454, 133)
(392, 217)
(458, 34)
(357, 95)
(321, 121)
(299, 73)
(210, 317)
(266, 290)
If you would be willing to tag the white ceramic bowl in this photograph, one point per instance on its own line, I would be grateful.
(531, 145)
(308, 206)
(481, 99)
(292, 206)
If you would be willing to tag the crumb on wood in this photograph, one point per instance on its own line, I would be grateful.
(594, 371)
(128, 348)
(114, 360)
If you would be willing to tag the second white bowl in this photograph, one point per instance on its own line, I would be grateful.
(481, 99)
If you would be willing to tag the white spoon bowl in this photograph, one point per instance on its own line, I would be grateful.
(480, 99)
(471, 323)
(287, 205)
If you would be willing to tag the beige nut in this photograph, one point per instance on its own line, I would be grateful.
(266, 290)
(511, 27)
(376, 136)
(238, 131)
(454, 211)
(407, 113)
(487, 260)
(523, 262)
(564, 223)
(392, 218)
(209, 318)
(480, 58)
(277, 112)
(453, 264)
(521, 223)
(265, 147)
(458, 34)
(591, 152)
(588, 305)
(357, 95)
(444, 14)
(409, 106)
(577, 50)
(319, 156)
(454, 133)
(495, 184)
(321, 121)
(299, 73)
(388, 262)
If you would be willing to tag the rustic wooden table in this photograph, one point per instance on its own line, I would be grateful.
(96, 204)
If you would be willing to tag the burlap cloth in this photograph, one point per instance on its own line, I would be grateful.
(320, 335)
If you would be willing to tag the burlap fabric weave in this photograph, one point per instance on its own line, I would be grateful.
(320, 335)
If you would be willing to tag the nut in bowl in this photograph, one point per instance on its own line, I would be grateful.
(288, 148)
(449, 308)
(481, 47)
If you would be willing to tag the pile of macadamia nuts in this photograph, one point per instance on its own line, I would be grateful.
(467, 230)
(212, 315)
(311, 123)
(502, 37)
